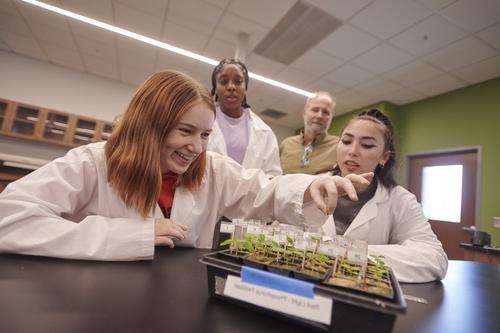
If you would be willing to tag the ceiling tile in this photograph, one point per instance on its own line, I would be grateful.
(480, 71)
(438, 85)
(382, 58)
(271, 122)
(349, 75)
(185, 38)
(428, 36)
(218, 49)
(169, 60)
(461, 53)
(341, 108)
(436, 4)
(231, 25)
(385, 18)
(14, 24)
(139, 22)
(356, 98)
(291, 120)
(35, 14)
(253, 88)
(23, 45)
(101, 67)
(48, 34)
(155, 8)
(473, 15)
(378, 87)
(323, 84)
(7, 7)
(90, 32)
(291, 104)
(263, 66)
(269, 93)
(64, 57)
(264, 12)
(203, 73)
(316, 63)
(219, 3)
(340, 8)
(404, 96)
(4, 46)
(100, 10)
(96, 49)
(412, 73)
(491, 35)
(345, 63)
(195, 15)
(135, 54)
(254, 98)
(347, 42)
(294, 77)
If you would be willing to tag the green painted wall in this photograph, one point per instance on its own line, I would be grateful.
(463, 118)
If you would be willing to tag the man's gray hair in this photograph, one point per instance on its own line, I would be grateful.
(318, 94)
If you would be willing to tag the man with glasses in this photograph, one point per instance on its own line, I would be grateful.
(313, 150)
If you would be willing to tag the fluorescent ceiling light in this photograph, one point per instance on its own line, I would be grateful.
(159, 44)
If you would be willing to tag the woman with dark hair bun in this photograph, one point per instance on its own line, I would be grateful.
(386, 215)
(238, 132)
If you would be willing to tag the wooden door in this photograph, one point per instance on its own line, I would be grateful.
(451, 234)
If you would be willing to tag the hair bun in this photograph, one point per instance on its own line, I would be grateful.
(378, 115)
(375, 113)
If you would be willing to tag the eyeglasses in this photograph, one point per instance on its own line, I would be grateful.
(306, 156)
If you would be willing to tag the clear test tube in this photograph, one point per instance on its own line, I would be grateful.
(240, 228)
(357, 253)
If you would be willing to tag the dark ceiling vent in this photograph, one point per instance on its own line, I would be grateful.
(302, 27)
(275, 114)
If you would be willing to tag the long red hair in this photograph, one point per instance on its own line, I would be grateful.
(133, 149)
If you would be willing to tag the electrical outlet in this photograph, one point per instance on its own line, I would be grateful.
(496, 221)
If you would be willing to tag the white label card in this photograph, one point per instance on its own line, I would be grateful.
(253, 229)
(317, 309)
(329, 250)
(357, 257)
(226, 228)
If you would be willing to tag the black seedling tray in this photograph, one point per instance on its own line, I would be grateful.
(352, 311)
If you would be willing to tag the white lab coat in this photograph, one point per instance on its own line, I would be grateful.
(67, 208)
(262, 150)
(395, 227)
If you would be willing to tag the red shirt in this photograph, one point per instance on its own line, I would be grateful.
(167, 193)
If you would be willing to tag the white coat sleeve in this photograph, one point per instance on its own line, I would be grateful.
(250, 194)
(414, 252)
(38, 216)
(271, 164)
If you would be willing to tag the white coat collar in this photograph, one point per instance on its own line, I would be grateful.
(370, 210)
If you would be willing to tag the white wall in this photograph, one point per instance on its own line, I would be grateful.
(35, 82)
(38, 83)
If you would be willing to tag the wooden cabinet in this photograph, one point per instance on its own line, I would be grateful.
(56, 125)
(29, 122)
(3, 111)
